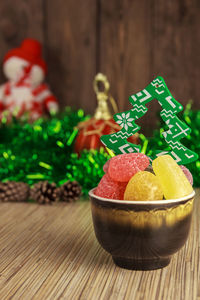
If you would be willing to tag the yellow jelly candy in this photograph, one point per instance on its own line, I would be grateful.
(173, 181)
(143, 186)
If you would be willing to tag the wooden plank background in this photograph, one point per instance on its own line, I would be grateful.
(131, 41)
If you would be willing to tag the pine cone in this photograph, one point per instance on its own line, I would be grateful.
(70, 191)
(45, 192)
(14, 191)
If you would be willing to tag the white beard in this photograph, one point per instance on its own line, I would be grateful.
(13, 70)
(20, 96)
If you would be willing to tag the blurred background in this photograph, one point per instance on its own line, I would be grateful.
(131, 41)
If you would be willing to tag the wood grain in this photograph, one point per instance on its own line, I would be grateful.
(125, 54)
(50, 252)
(175, 44)
(71, 49)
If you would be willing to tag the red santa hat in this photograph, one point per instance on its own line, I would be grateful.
(31, 51)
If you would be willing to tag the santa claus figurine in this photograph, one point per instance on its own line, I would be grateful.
(25, 92)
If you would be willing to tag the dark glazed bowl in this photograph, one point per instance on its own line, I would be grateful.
(141, 235)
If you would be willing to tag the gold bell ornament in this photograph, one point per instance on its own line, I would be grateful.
(102, 122)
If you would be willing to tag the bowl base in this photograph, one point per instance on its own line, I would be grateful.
(141, 264)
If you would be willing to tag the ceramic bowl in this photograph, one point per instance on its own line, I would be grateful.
(141, 235)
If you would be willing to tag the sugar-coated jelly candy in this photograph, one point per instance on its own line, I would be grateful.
(108, 188)
(173, 181)
(106, 165)
(187, 174)
(143, 186)
(122, 167)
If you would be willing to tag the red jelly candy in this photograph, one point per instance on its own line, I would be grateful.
(187, 174)
(122, 167)
(107, 188)
(106, 165)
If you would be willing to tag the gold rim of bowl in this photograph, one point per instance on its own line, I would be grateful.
(188, 197)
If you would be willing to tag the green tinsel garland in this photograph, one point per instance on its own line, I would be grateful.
(192, 119)
(44, 151)
(88, 168)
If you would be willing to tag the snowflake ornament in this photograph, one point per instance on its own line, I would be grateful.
(124, 121)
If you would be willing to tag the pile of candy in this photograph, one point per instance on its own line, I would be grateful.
(131, 177)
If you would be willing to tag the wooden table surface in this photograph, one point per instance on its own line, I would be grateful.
(50, 252)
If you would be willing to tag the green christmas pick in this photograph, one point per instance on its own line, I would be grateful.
(158, 90)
